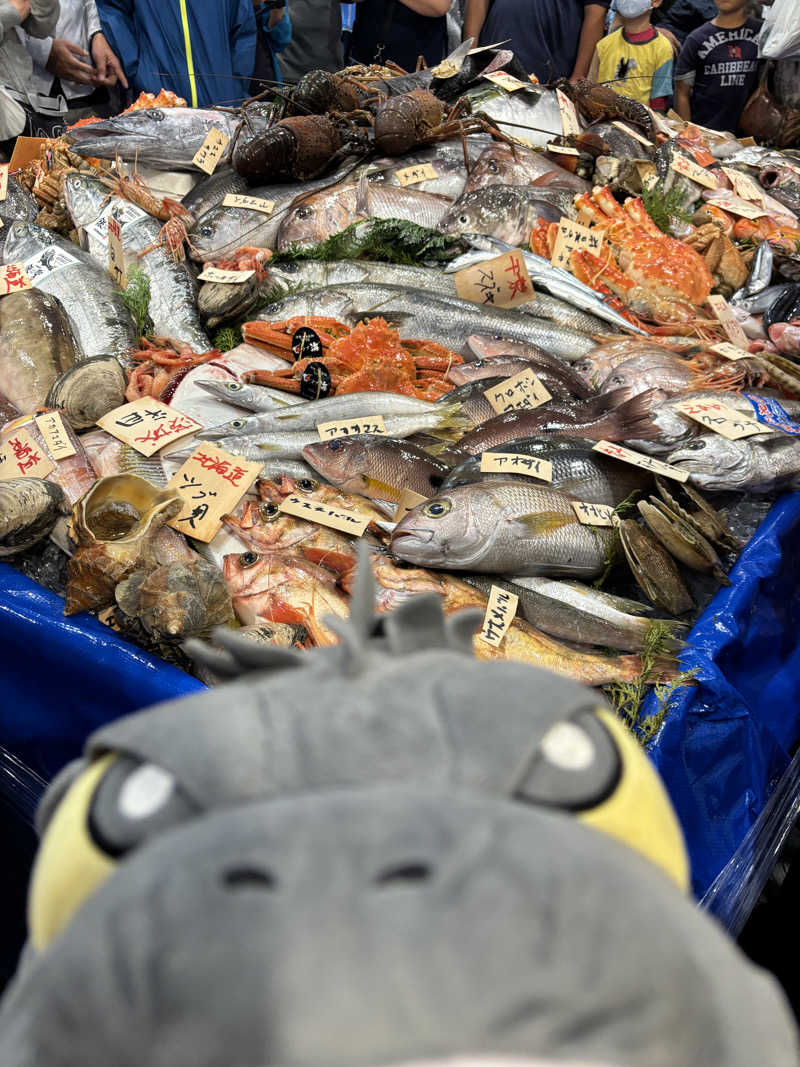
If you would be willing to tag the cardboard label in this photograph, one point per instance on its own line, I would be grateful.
(116, 259)
(738, 206)
(573, 237)
(632, 133)
(147, 425)
(502, 282)
(408, 501)
(228, 277)
(638, 459)
(719, 305)
(506, 81)
(570, 126)
(562, 150)
(3, 180)
(721, 418)
(659, 124)
(414, 175)
(41, 265)
(747, 142)
(349, 427)
(13, 278)
(744, 186)
(120, 210)
(691, 170)
(22, 457)
(210, 151)
(346, 521)
(730, 351)
(51, 427)
(211, 482)
(593, 514)
(524, 142)
(26, 149)
(522, 391)
(252, 203)
(516, 463)
(500, 612)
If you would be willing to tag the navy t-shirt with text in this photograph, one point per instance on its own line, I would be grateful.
(721, 66)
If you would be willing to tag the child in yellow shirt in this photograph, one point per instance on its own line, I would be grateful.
(636, 60)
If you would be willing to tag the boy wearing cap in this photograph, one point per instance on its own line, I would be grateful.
(636, 60)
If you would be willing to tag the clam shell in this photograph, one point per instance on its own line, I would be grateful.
(29, 508)
(88, 391)
(655, 571)
(178, 600)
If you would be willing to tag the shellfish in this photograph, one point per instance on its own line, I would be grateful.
(653, 568)
(681, 539)
(29, 508)
(89, 390)
(177, 600)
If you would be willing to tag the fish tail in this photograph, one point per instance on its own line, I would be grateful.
(632, 420)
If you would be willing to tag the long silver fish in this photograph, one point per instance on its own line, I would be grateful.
(212, 190)
(173, 289)
(101, 321)
(250, 397)
(166, 138)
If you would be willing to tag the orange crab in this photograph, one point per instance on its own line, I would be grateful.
(783, 238)
(369, 358)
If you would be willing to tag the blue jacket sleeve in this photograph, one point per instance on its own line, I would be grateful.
(280, 36)
(243, 41)
(119, 28)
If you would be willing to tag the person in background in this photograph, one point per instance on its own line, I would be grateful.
(717, 69)
(38, 18)
(203, 50)
(316, 39)
(400, 31)
(348, 18)
(680, 17)
(636, 60)
(72, 71)
(551, 38)
(274, 32)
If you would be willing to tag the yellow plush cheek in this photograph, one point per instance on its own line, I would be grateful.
(68, 866)
(639, 812)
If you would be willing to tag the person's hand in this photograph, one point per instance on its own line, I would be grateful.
(65, 62)
(22, 7)
(275, 17)
(108, 69)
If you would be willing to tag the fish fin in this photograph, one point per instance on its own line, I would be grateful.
(362, 197)
(541, 523)
(633, 420)
(382, 490)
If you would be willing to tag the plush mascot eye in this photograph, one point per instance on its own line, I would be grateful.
(110, 808)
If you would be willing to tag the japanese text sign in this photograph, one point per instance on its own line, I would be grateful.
(211, 150)
(12, 278)
(350, 427)
(229, 277)
(632, 133)
(719, 305)
(506, 81)
(211, 482)
(744, 186)
(738, 206)
(721, 418)
(516, 463)
(116, 259)
(500, 612)
(562, 149)
(22, 457)
(147, 424)
(690, 170)
(569, 116)
(572, 237)
(501, 282)
(252, 203)
(414, 175)
(638, 459)
(351, 522)
(524, 390)
(51, 427)
(730, 351)
(593, 514)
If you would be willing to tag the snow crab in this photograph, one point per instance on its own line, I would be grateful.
(369, 358)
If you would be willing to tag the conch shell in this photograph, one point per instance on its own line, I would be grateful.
(114, 525)
(178, 600)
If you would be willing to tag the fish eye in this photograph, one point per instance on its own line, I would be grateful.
(335, 446)
(463, 219)
(248, 559)
(696, 446)
(303, 212)
(234, 387)
(205, 231)
(493, 167)
(237, 424)
(268, 512)
(308, 485)
(437, 508)
(618, 380)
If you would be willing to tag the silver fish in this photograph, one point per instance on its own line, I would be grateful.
(532, 114)
(212, 190)
(451, 175)
(251, 397)
(18, 205)
(502, 164)
(760, 274)
(305, 419)
(507, 212)
(755, 464)
(173, 289)
(101, 321)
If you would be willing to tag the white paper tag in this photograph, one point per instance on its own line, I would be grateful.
(251, 203)
(228, 277)
(46, 262)
(120, 210)
(351, 427)
(721, 418)
(500, 612)
(593, 514)
(638, 459)
(516, 463)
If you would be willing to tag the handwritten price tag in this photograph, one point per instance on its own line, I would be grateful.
(23, 457)
(637, 459)
(500, 612)
(12, 278)
(747, 142)
(506, 81)
(562, 150)
(116, 259)
(211, 150)
(524, 390)
(516, 463)
(632, 133)
(351, 522)
(691, 170)
(744, 186)
(502, 282)
(252, 203)
(570, 126)
(659, 123)
(350, 427)
(414, 175)
(722, 419)
(52, 428)
(211, 482)
(738, 206)
(407, 502)
(719, 305)
(730, 351)
(572, 237)
(593, 514)
(3, 180)
(229, 277)
(147, 425)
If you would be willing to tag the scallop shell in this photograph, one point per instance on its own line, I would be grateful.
(178, 600)
(88, 391)
(29, 508)
(115, 525)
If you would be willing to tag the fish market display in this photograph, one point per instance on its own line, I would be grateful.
(431, 317)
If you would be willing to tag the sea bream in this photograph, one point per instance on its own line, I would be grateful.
(507, 212)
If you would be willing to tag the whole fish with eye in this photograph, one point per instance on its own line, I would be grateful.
(167, 139)
(576, 469)
(416, 313)
(783, 184)
(212, 190)
(599, 418)
(503, 527)
(507, 212)
(18, 205)
(101, 321)
(502, 164)
(666, 372)
(754, 464)
(596, 366)
(379, 468)
(250, 397)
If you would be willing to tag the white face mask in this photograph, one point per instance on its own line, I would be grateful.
(629, 9)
